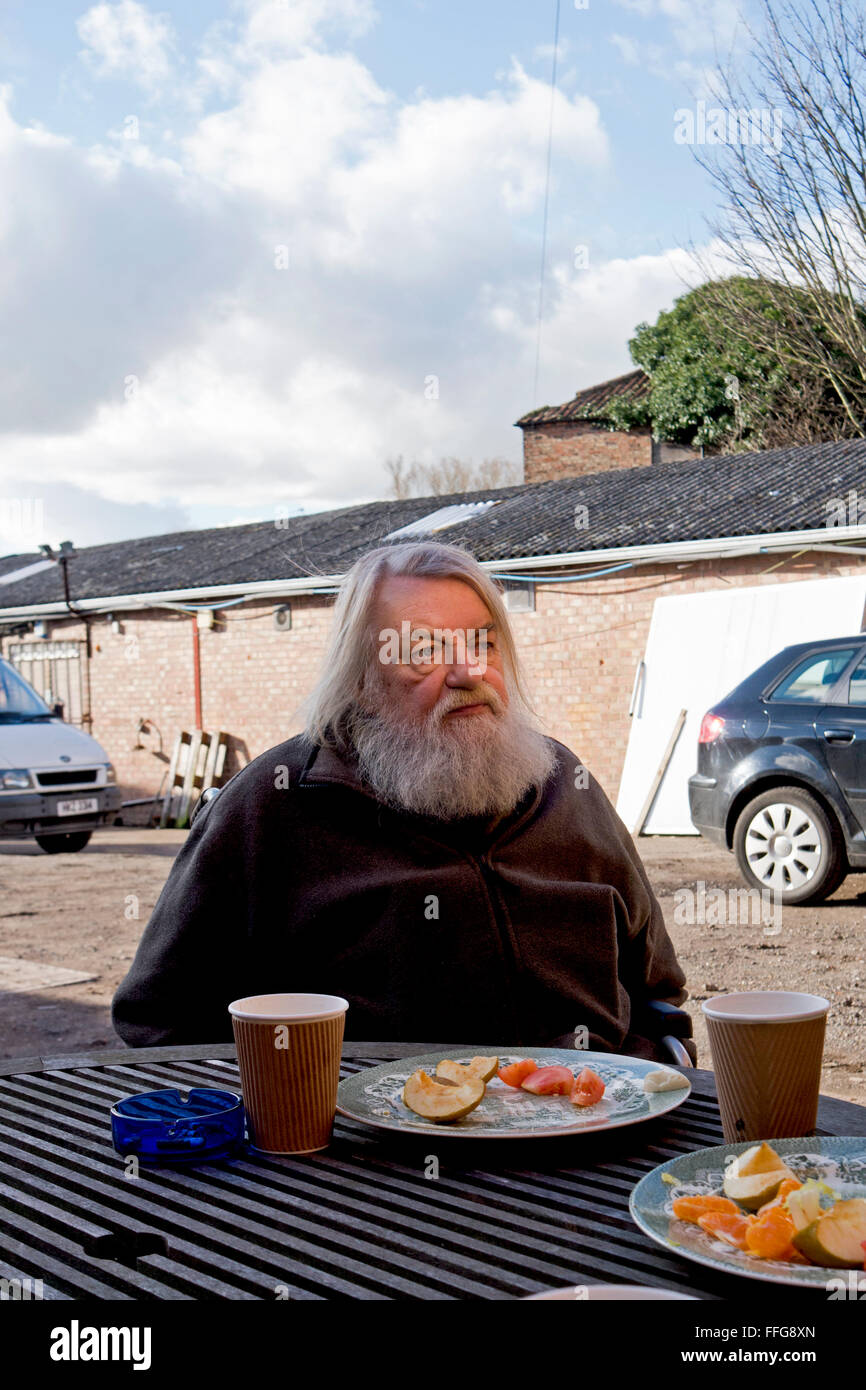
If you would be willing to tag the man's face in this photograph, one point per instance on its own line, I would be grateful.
(464, 684)
(434, 732)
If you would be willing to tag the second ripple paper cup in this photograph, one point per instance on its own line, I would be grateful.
(289, 1048)
(767, 1047)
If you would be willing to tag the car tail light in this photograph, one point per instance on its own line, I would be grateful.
(711, 726)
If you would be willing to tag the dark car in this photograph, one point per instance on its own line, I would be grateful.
(781, 776)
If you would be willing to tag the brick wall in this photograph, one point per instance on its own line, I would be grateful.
(252, 679)
(579, 649)
(572, 448)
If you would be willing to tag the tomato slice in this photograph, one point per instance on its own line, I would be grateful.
(516, 1073)
(588, 1088)
(550, 1081)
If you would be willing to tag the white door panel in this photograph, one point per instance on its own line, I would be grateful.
(699, 647)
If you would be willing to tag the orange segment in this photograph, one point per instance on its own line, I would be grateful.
(692, 1207)
(770, 1234)
(723, 1226)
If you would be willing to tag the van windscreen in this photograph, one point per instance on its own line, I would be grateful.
(18, 700)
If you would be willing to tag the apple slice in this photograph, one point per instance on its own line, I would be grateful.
(836, 1238)
(442, 1100)
(484, 1068)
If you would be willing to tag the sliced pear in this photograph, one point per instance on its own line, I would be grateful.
(836, 1238)
(760, 1158)
(755, 1189)
(442, 1100)
(484, 1068)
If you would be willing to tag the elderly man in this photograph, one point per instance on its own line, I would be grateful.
(422, 849)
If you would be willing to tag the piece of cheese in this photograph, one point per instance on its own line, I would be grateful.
(664, 1080)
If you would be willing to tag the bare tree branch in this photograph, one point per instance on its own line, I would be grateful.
(794, 208)
(449, 475)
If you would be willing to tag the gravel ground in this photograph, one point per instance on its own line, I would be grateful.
(86, 912)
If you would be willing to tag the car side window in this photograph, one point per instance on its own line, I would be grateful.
(813, 678)
(857, 685)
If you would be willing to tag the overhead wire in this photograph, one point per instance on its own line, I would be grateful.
(546, 203)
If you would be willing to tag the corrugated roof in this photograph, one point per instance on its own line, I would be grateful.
(776, 491)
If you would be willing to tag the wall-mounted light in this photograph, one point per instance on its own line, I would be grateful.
(519, 598)
(147, 726)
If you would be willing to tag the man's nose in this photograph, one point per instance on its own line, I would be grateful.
(463, 674)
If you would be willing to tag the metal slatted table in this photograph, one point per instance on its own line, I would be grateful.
(360, 1220)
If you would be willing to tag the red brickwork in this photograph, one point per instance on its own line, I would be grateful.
(571, 448)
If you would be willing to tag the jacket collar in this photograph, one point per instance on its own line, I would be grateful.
(325, 765)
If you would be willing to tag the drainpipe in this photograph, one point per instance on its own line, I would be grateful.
(196, 671)
(66, 553)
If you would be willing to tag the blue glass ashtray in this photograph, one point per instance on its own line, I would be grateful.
(166, 1127)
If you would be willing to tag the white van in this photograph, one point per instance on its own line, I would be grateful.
(56, 782)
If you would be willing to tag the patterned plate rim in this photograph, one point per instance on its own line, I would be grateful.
(666, 1101)
(804, 1276)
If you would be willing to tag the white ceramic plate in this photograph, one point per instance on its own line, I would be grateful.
(838, 1161)
(373, 1096)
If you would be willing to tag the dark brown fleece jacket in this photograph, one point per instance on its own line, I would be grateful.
(512, 932)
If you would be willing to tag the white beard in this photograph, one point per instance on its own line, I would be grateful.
(471, 765)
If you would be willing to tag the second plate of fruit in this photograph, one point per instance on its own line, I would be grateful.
(790, 1211)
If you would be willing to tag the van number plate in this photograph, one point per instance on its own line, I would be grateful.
(78, 806)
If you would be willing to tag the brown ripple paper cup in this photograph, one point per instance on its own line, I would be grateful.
(289, 1048)
(767, 1047)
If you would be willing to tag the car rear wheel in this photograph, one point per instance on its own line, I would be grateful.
(70, 843)
(786, 842)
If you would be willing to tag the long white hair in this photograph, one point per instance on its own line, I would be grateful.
(328, 709)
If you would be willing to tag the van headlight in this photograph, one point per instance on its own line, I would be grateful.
(110, 774)
(17, 779)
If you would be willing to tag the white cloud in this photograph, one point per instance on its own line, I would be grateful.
(163, 361)
(127, 40)
(266, 32)
(214, 426)
(294, 120)
(394, 193)
(290, 24)
(594, 311)
(695, 26)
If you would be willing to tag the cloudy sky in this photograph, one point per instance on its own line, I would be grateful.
(251, 250)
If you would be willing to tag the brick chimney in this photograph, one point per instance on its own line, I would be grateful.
(567, 441)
